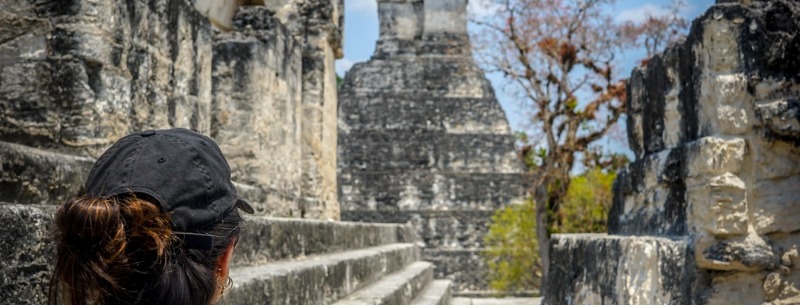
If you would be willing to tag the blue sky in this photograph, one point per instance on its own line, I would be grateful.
(361, 31)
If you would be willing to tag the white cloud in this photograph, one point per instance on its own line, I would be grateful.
(363, 6)
(481, 8)
(342, 66)
(640, 13)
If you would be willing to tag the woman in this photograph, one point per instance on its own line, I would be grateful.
(158, 225)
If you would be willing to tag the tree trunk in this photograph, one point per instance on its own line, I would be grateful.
(542, 235)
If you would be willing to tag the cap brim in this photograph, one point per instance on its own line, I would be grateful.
(244, 206)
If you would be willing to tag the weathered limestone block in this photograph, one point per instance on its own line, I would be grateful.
(33, 176)
(661, 112)
(445, 16)
(775, 206)
(713, 156)
(715, 194)
(75, 79)
(449, 264)
(719, 207)
(780, 118)
(257, 85)
(779, 284)
(773, 194)
(221, 13)
(650, 196)
(607, 269)
(749, 254)
(401, 22)
(654, 193)
(26, 253)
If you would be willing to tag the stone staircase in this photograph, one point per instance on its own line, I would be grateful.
(304, 262)
(278, 261)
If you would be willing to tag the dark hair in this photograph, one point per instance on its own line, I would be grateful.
(123, 251)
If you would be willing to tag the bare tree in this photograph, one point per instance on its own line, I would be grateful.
(561, 57)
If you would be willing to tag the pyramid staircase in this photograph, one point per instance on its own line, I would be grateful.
(278, 260)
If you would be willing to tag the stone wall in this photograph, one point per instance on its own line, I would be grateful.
(422, 138)
(74, 80)
(318, 26)
(76, 76)
(257, 107)
(714, 125)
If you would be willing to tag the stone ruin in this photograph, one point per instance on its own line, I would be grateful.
(709, 212)
(705, 215)
(76, 76)
(258, 77)
(422, 138)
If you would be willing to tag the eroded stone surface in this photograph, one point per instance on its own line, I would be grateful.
(257, 108)
(714, 126)
(423, 138)
(34, 176)
(78, 76)
(75, 79)
(607, 269)
(26, 253)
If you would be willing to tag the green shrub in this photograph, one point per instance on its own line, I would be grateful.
(585, 208)
(512, 251)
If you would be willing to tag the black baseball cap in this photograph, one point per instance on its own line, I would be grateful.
(184, 171)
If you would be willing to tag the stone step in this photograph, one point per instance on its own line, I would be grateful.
(410, 112)
(30, 175)
(497, 301)
(269, 239)
(441, 229)
(615, 270)
(437, 293)
(423, 189)
(411, 149)
(318, 279)
(465, 267)
(399, 288)
(29, 252)
(422, 76)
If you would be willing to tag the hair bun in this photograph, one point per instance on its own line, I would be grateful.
(92, 227)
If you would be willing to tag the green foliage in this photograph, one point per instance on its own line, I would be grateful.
(512, 248)
(586, 205)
